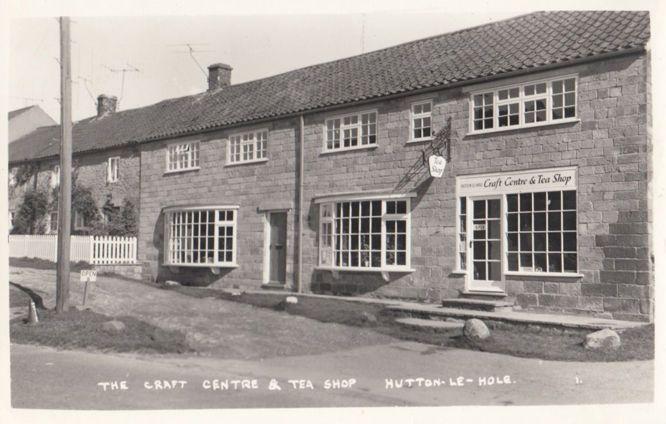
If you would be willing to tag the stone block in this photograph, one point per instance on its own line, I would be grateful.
(603, 339)
(589, 289)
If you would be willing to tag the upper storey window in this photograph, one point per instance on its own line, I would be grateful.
(350, 132)
(183, 156)
(520, 106)
(421, 121)
(248, 147)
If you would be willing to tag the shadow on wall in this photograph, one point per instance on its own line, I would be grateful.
(187, 276)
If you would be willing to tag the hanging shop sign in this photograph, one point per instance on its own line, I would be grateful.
(533, 180)
(436, 166)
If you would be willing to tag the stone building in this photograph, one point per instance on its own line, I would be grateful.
(109, 170)
(319, 179)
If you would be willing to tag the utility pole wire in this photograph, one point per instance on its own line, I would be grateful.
(191, 51)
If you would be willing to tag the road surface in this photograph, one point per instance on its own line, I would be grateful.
(367, 376)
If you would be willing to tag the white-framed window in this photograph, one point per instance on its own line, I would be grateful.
(182, 156)
(461, 259)
(112, 166)
(365, 235)
(421, 121)
(350, 132)
(541, 232)
(55, 176)
(79, 221)
(203, 236)
(12, 177)
(248, 147)
(524, 105)
(53, 222)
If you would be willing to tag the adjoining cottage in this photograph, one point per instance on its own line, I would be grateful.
(317, 179)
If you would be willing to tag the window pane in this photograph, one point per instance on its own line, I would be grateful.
(554, 221)
(554, 262)
(513, 262)
(540, 262)
(539, 201)
(570, 262)
(512, 219)
(512, 202)
(512, 239)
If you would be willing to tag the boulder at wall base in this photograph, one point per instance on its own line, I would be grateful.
(603, 339)
(113, 326)
(475, 329)
(368, 317)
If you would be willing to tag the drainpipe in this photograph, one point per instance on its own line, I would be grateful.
(299, 275)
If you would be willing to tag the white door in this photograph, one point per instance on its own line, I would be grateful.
(484, 225)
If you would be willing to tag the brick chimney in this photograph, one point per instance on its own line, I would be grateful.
(219, 76)
(106, 105)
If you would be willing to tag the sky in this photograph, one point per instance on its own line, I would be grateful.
(158, 66)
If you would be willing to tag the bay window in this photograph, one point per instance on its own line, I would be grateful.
(365, 234)
(200, 236)
(531, 104)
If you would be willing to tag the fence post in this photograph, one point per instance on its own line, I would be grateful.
(92, 249)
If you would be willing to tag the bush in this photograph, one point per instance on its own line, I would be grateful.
(31, 212)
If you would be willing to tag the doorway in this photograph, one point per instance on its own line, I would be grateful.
(485, 244)
(276, 248)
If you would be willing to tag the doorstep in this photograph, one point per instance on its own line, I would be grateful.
(581, 322)
(518, 317)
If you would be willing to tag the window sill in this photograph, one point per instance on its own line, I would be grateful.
(208, 265)
(339, 269)
(544, 274)
(349, 149)
(522, 127)
(246, 162)
(178, 171)
(420, 140)
(458, 272)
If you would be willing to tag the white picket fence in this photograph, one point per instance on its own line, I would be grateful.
(100, 250)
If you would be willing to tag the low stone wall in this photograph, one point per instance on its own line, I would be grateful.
(127, 271)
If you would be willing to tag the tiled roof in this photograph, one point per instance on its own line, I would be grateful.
(522, 43)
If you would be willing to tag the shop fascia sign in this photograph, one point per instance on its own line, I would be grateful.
(533, 180)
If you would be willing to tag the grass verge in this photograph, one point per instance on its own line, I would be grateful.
(516, 340)
(37, 263)
(83, 329)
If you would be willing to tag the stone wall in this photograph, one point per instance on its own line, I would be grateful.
(609, 145)
(89, 169)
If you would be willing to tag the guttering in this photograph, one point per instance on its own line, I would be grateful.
(301, 141)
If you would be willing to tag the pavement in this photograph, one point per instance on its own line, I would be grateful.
(365, 376)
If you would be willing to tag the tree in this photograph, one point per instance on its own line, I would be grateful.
(32, 210)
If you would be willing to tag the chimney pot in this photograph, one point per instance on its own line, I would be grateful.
(219, 76)
(106, 104)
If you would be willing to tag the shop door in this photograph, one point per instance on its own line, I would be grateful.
(485, 246)
(278, 248)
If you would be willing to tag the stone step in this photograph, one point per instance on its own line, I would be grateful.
(450, 328)
(478, 304)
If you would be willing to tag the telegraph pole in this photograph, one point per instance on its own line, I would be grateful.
(65, 196)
